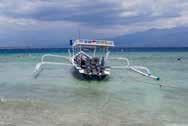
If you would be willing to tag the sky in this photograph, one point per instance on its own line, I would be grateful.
(50, 23)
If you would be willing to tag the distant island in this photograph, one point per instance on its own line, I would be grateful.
(155, 38)
(174, 37)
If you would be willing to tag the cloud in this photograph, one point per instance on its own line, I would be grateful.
(98, 13)
(61, 19)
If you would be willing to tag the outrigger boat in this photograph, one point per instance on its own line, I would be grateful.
(90, 64)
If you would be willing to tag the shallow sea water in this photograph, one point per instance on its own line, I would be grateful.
(59, 98)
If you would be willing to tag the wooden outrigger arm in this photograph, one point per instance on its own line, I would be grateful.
(138, 69)
(38, 68)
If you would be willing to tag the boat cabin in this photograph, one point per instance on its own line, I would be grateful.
(88, 63)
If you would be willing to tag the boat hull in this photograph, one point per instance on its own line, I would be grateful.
(90, 76)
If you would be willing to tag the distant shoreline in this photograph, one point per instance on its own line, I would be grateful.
(116, 49)
(70, 47)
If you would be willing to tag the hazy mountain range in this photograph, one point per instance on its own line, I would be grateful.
(174, 37)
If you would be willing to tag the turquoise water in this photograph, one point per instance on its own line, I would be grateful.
(58, 97)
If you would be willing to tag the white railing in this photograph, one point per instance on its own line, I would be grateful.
(93, 42)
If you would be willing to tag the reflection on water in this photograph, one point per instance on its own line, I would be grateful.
(58, 97)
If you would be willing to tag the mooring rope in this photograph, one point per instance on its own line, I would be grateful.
(161, 84)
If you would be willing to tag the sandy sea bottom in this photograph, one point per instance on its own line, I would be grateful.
(59, 98)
